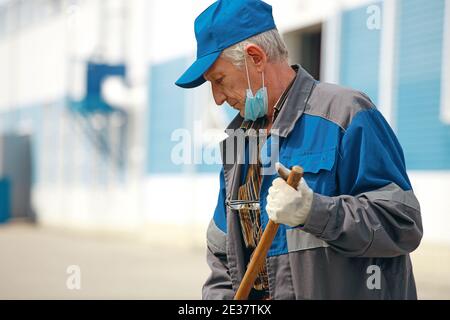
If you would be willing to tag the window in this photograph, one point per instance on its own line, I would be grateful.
(304, 46)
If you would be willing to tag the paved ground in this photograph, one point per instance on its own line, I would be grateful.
(34, 262)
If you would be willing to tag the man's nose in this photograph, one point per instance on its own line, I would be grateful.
(219, 97)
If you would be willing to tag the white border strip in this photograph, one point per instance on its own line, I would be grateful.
(445, 81)
(387, 57)
(331, 48)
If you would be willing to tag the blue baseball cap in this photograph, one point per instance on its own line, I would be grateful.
(221, 25)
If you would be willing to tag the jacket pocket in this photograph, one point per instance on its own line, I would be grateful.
(319, 169)
(316, 161)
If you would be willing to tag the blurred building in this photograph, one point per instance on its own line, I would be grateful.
(90, 83)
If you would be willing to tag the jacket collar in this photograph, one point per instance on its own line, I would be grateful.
(295, 103)
(293, 107)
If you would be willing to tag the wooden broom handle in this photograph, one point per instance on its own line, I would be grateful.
(259, 256)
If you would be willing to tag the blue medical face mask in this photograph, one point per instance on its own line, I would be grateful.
(255, 105)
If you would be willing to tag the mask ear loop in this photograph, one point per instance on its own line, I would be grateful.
(263, 79)
(248, 75)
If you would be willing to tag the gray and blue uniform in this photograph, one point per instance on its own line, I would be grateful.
(364, 212)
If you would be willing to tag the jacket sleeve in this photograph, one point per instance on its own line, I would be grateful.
(377, 213)
(218, 286)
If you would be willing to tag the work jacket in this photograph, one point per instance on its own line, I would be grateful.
(364, 220)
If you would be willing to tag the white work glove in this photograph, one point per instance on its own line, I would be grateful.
(288, 206)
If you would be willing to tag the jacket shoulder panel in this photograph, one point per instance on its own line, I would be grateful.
(337, 104)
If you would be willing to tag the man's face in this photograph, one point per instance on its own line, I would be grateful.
(228, 83)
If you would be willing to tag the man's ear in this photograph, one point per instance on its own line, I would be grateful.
(257, 56)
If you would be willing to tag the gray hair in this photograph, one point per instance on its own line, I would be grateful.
(270, 41)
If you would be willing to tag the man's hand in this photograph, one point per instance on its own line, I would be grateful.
(289, 206)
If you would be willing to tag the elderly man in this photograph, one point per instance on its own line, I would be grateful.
(348, 229)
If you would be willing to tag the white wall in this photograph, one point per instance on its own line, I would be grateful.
(432, 190)
(172, 28)
(34, 64)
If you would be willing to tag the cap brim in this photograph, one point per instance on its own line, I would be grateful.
(193, 77)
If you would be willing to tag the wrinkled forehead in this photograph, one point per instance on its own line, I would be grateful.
(219, 69)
